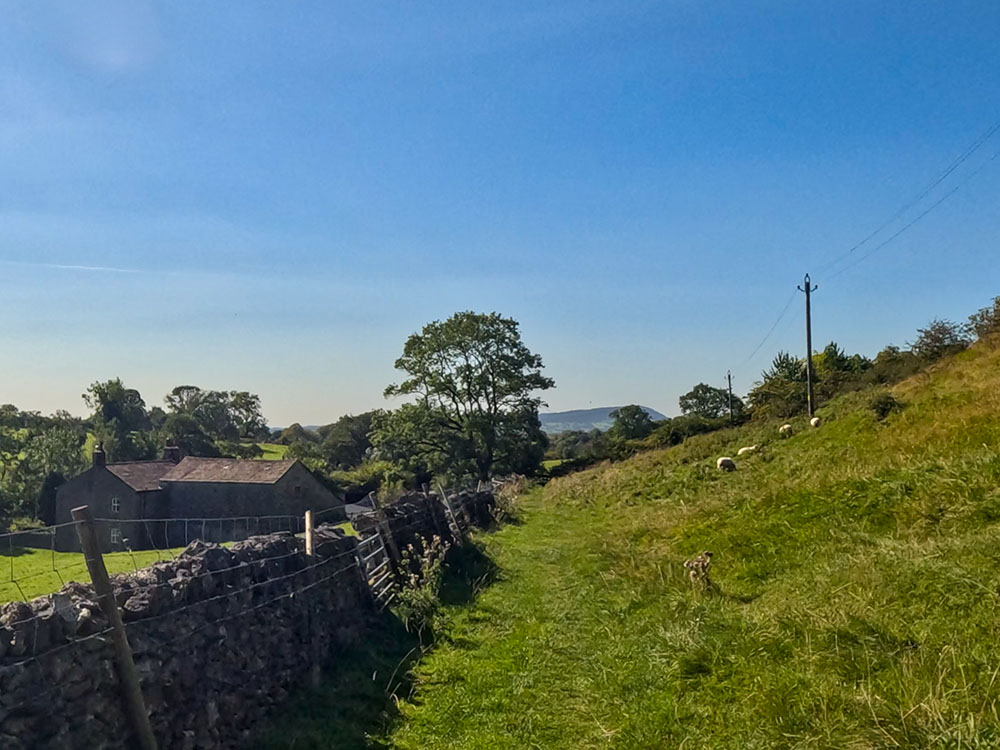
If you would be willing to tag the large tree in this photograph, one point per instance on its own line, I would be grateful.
(222, 415)
(346, 442)
(476, 407)
(711, 403)
(632, 422)
(120, 418)
(186, 433)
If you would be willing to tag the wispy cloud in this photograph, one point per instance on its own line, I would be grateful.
(68, 267)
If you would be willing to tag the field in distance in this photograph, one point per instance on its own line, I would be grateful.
(27, 573)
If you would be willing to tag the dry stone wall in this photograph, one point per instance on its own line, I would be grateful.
(425, 515)
(219, 635)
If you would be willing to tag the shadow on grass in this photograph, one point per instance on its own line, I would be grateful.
(468, 572)
(511, 519)
(737, 598)
(17, 551)
(355, 705)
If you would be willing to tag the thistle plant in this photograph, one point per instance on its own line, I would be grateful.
(420, 572)
(698, 568)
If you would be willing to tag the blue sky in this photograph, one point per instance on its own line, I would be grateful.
(272, 196)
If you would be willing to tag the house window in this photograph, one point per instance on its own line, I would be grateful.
(116, 535)
(116, 505)
(297, 490)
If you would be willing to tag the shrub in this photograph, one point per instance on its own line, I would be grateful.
(939, 339)
(240, 450)
(678, 429)
(883, 404)
(504, 508)
(985, 322)
(893, 365)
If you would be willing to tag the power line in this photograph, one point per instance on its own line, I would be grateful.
(948, 171)
(763, 341)
(919, 216)
(955, 164)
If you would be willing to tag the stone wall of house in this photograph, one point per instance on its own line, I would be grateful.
(219, 636)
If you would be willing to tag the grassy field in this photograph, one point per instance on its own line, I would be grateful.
(39, 572)
(273, 451)
(855, 604)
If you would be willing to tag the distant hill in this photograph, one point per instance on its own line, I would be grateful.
(560, 421)
(585, 419)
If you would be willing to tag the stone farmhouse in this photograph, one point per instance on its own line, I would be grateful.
(167, 503)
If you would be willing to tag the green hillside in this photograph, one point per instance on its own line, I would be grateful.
(855, 605)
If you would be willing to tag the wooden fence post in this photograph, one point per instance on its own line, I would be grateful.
(128, 678)
(309, 533)
(315, 677)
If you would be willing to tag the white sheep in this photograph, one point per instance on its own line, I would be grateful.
(785, 430)
(725, 463)
(815, 422)
(746, 449)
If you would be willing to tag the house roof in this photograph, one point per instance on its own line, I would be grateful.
(235, 470)
(141, 476)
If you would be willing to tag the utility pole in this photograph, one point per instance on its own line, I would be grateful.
(729, 379)
(809, 289)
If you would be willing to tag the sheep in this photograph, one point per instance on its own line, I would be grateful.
(746, 449)
(725, 463)
(785, 430)
(815, 422)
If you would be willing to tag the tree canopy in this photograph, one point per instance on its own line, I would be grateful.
(709, 402)
(221, 415)
(346, 443)
(632, 422)
(939, 338)
(985, 321)
(475, 411)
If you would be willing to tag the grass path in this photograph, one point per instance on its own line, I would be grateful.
(541, 659)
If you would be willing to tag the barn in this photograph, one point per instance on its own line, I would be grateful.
(166, 503)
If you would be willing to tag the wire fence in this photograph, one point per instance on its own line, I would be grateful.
(37, 561)
(34, 562)
(34, 566)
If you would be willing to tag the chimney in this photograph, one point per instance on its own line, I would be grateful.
(100, 457)
(172, 453)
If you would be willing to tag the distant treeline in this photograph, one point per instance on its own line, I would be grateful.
(39, 453)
